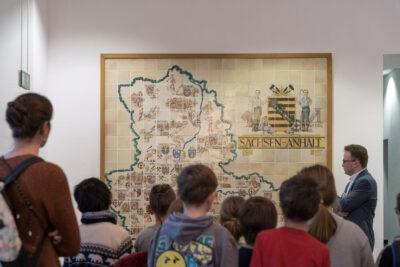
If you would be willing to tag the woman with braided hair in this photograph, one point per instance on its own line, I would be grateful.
(40, 196)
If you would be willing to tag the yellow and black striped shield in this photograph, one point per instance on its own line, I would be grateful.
(281, 112)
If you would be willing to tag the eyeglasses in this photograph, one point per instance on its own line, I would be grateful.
(397, 211)
(348, 160)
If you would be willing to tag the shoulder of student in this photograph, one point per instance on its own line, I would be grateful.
(48, 170)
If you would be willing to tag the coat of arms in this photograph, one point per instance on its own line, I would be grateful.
(165, 170)
(165, 149)
(281, 108)
(192, 152)
(176, 153)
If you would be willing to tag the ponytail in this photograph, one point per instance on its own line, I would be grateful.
(229, 215)
(324, 225)
(233, 226)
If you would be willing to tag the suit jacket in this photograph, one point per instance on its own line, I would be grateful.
(360, 203)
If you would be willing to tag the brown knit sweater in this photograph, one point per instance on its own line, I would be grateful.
(46, 187)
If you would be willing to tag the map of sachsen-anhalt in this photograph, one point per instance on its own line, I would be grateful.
(168, 120)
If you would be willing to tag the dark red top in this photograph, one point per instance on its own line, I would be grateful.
(288, 247)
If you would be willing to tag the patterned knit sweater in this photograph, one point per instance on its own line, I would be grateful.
(103, 242)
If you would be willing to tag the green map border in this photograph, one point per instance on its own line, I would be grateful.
(221, 164)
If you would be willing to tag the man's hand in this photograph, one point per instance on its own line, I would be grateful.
(343, 214)
(55, 237)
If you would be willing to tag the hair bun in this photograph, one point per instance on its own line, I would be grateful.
(17, 111)
(27, 113)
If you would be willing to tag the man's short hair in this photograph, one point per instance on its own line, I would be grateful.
(196, 183)
(299, 198)
(255, 215)
(161, 196)
(92, 195)
(358, 152)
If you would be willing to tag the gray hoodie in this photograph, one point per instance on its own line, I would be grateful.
(193, 242)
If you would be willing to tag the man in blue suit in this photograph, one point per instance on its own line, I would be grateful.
(358, 202)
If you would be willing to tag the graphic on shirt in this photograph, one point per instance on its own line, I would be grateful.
(170, 258)
(194, 253)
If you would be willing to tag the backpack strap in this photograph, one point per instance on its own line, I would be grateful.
(155, 246)
(14, 173)
(11, 177)
(39, 248)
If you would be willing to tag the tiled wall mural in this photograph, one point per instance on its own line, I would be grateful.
(254, 119)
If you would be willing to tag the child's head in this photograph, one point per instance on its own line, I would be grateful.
(195, 184)
(299, 197)
(92, 195)
(326, 183)
(161, 196)
(257, 214)
(230, 215)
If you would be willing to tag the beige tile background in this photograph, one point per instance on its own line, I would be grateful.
(235, 81)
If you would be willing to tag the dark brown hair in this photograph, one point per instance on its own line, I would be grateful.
(230, 215)
(257, 214)
(358, 152)
(324, 225)
(175, 206)
(27, 113)
(161, 196)
(299, 198)
(196, 183)
(92, 195)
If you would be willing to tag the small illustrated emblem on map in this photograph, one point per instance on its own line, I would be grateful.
(141, 165)
(165, 149)
(150, 90)
(187, 91)
(192, 152)
(178, 168)
(151, 178)
(116, 203)
(137, 99)
(176, 153)
(165, 170)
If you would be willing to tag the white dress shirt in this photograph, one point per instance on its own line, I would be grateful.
(352, 179)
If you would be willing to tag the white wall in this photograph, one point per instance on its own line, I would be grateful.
(358, 33)
(35, 42)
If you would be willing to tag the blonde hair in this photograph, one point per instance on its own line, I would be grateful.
(323, 226)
